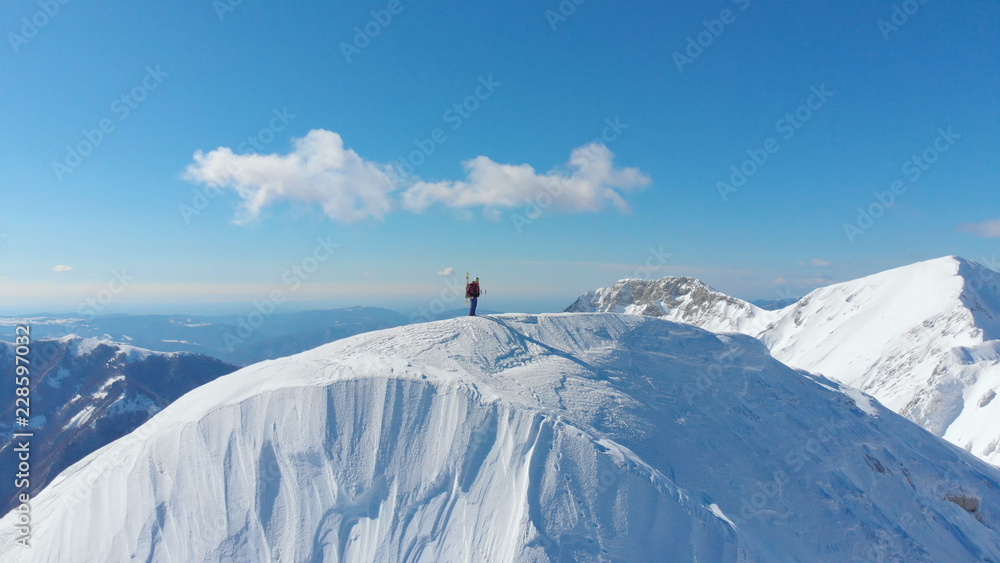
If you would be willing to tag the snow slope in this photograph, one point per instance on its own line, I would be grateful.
(921, 338)
(86, 393)
(522, 438)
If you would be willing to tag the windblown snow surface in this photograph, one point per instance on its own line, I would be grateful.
(922, 339)
(86, 393)
(568, 437)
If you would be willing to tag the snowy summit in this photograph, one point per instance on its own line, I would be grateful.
(922, 339)
(570, 437)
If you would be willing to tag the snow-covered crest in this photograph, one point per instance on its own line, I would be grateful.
(679, 299)
(515, 438)
(920, 338)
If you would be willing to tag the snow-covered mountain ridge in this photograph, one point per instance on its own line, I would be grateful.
(522, 438)
(921, 338)
(678, 299)
(87, 392)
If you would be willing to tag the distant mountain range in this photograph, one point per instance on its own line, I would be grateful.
(86, 393)
(240, 340)
(922, 339)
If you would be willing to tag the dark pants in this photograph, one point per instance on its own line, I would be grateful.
(472, 306)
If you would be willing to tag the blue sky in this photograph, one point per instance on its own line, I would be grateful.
(200, 76)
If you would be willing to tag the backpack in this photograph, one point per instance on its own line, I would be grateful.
(472, 290)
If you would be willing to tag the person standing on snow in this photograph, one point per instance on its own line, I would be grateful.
(472, 294)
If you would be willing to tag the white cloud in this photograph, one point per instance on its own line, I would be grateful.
(61, 268)
(447, 271)
(589, 182)
(349, 188)
(986, 229)
(819, 263)
(318, 170)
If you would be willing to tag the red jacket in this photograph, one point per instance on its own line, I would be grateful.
(472, 290)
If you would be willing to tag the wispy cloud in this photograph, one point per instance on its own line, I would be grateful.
(816, 262)
(986, 229)
(61, 268)
(447, 272)
(349, 188)
(588, 182)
